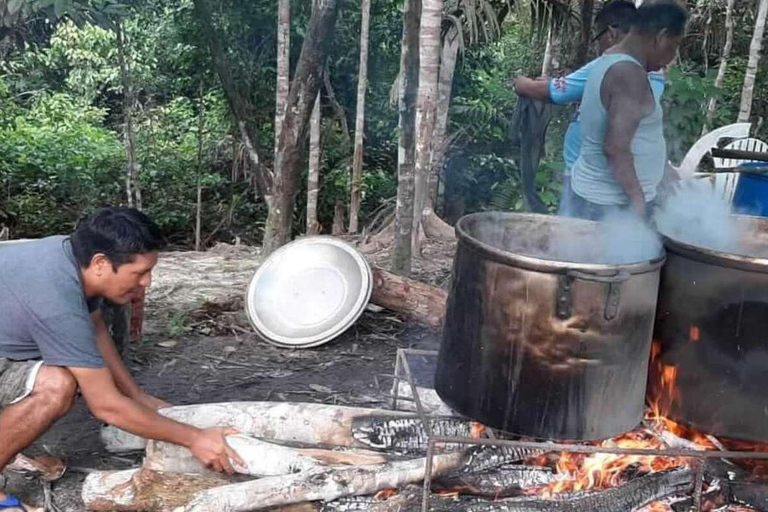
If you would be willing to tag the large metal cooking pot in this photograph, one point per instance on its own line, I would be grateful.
(710, 356)
(543, 347)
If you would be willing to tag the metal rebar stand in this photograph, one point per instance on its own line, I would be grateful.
(403, 373)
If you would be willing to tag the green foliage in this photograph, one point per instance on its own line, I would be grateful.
(57, 163)
(685, 106)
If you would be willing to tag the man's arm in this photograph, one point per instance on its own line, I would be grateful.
(108, 404)
(122, 377)
(625, 95)
(532, 89)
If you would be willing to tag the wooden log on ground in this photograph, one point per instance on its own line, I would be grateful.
(151, 491)
(412, 299)
(261, 458)
(312, 424)
(141, 489)
(323, 484)
(499, 483)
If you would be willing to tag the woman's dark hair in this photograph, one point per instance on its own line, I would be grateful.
(119, 233)
(655, 16)
(619, 14)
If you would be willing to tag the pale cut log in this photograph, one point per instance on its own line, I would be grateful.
(116, 440)
(44, 467)
(312, 424)
(141, 489)
(319, 484)
(261, 458)
(412, 299)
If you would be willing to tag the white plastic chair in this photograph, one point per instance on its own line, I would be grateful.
(725, 183)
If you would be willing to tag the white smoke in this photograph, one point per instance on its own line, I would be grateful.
(698, 216)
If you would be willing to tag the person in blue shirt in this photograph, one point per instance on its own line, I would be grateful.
(612, 24)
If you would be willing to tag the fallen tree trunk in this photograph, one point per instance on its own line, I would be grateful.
(412, 299)
(313, 424)
(151, 491)
(325, 485)
(142, 489)
(261, 458)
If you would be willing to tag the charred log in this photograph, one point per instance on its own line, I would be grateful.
(407, 435)
(753, 494)
(499, 483)
(484, 458)
(628, 497)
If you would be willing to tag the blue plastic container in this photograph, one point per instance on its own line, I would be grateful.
(751, 195)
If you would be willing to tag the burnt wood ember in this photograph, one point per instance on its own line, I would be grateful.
(407, 435)
(753, 494)
(627, 497)
(498, 483)
(485, 457)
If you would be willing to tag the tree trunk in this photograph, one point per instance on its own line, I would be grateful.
(754, 60)
(241, 108)
(338, 219)
(723, 64)
(199, 208)
(409, 82)
(304, 88)
(132, 188)
(341, 116)
(546, 63)
(282, 88)
(448, 59)
(426, 107)
(362, 82)
(587, 9)
(313, 180)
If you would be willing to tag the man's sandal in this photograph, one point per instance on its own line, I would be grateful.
(12, 502)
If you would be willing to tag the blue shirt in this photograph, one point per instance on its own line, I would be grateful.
(569, 89)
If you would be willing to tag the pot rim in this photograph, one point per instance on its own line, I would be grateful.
(716, 257)
(543, 264)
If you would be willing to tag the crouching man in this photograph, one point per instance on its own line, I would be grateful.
(53, 340)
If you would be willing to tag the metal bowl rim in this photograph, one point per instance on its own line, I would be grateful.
(329, 334)
(542, 264)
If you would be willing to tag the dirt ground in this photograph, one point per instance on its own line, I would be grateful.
(198, 348)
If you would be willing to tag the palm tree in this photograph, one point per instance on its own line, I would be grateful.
(754, 59)
(357, 160)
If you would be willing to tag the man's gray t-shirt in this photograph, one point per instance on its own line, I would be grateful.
(44, 313)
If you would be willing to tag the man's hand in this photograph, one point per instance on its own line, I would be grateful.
(152, 402)
(210, 447)
(669, 183)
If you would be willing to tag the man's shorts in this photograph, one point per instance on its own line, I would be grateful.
(17, 380)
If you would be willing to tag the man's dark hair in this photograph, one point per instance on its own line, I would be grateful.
(655, 16)
(619, 14)
(119, 233)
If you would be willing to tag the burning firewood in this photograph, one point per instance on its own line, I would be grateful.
(500, 483)
(261, 458)
(485, 457)
(153, 491)
(630, 496)
(314, 424)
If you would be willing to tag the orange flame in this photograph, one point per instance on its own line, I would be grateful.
(602, 470)
(385, 494)
(476, 430)
(695, 333)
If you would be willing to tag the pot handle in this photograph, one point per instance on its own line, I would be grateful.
(620, 277)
